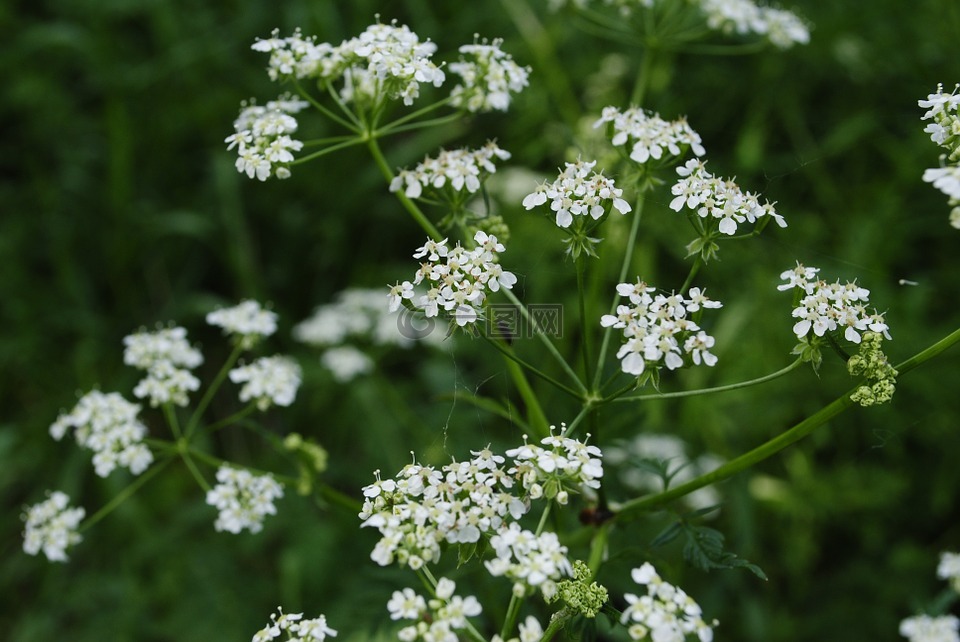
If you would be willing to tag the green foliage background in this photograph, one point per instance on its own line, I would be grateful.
(121, 209)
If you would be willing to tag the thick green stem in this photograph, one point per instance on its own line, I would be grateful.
(410, 206)
(643, 77)
(634, 508)
(598, 547)
(585, 327)
(535, 415)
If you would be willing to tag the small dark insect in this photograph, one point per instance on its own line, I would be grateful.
(595, 516)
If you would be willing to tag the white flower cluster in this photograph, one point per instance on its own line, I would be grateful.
(457, 170)
(665, 613)
(944, 109)
(648, 136)
(781, 27)
(268, 381)
(167, 357)
(565, 461)
(488, 77)
(243, 499)
(532, 562)
(654, 327)
(262, 138)
(924, 628)
(458, 278)
(631, 457)
(423, 507)
(949, 569)
(578, 193)
(51, 527)
(438, 618)
(711, 197)
(247, 321)
(296, 628)
(107, 424)
(385, 60)
(826, 307)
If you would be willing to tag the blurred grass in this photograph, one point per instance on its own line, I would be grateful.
(122, 209)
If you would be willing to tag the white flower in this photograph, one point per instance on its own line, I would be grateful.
(945, 179)
(949, 569)
(488, 77)
(666, 612)
(458, 170)
(406, 605)
(165, 383)
(247, 320)
(923, 628)
(716, 199)
(346, 363)
(296, 628)
(657, 330)
(167, 356)
(108, 425)
(459, 283)
(262, 136)
(243, 499)
(268, 381)
(828, 307)
(576, 192)
(51, 527)
(782, 28)
(649, 137)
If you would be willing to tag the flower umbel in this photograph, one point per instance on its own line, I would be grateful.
(666, 612)
(51, 527)
(262, 136)
(577, 193)
(488, 77)
(248, 322)
(647, 138)
(296, 628)
(268, 381)
(107, 424)
(243, 499)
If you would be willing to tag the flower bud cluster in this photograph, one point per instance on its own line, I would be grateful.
(581, 595)
(828, 307)
(718, 199)
(436, 619)
(872, 364)
(455, 170)
(666, 612)
(107, 424)
(648, 137)
(167, 357)
(268, 381)
(658, 329)
(578, 192)
(296, 628)
(262, 136)
(488, 76)
(243, 499)
(51, 527)
(944, 109)
(458, 278)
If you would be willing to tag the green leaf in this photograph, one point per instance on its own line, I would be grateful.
(465, 553)
(704, 550)
(667, 535)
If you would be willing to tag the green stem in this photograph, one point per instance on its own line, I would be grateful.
(194, 420)
(597, 548)
(643, 77)
(624, 269)
(323, 110)
(433, 122)
(411, 207)
(697, 264)
(545, 340)
(325, 141)
(354, 118)
(584, 411)
(705, 391)
(584, 328)
(414, 115)
(634, 508)
(185, 454)
(125, 494)
(216, 462)
(235, 417)
(170, 414)
(508, 353)
(328, 150)
(535, 415)
(339, 498)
